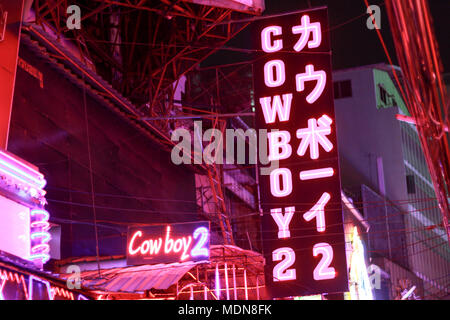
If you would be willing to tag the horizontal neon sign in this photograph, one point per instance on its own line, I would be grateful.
(20, 286)
(179, 242)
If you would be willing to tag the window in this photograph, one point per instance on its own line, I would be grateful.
(383, 94)
(410, 184)
(336, 90)
(342, 89)
(346, 89)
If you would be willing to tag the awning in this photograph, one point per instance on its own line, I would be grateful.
(116, 277)
(134, 279)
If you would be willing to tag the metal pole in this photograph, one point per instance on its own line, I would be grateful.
(245, 284)
(226, 281)
(217, 282)
(234, 282)
(257, 288)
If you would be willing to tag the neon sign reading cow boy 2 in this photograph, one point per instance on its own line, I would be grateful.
(303, 235)
(179, 242)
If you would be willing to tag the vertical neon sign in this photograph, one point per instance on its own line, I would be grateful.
(303, 234)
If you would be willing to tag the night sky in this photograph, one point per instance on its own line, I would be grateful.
(353, 44)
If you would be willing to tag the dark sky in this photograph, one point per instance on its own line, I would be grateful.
(353, 44)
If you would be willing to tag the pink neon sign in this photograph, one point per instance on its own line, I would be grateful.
(168, 243)
(315, 135)
(300, 196)
(305, 29)
(274, 73)
(271, 110)
(24, 228)
(15, 285)
(267, 42)
(323, 271)
(39, 236)
(320, 77)
(318, 212)
(283, 221)
(279, 147)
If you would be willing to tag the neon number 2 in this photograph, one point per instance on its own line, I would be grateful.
(323, 271)
(286, 256)
(198, 249)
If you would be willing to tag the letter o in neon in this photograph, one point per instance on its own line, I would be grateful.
(145, 247)
(274, 78)
(276, 177)
(177, 245)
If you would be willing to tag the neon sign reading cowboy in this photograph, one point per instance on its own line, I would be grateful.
(178, 242)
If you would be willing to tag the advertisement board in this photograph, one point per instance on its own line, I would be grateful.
(302, 222)
(168, 243)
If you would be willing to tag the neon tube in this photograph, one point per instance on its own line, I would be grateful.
(18, 178)
(40, 175)
(316, 174)
(305, 29)
(20, 167)
(234, 282)
(30, 287)
(217, 282)
(41, 249)
(40, 183)
(266, 37)
(318, 212)
(276, 107)
(44, 235)
(36, 212)
(280, 73)
(226, 282)
(245, 284)
(275, 185)
(283, 221)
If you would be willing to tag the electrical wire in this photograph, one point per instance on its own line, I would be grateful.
(197, 213)
(91, 178)
(355, 203)
(225, 48)
(254, 264)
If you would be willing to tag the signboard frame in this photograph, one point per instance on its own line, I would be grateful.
(168, 243)
(302, 221)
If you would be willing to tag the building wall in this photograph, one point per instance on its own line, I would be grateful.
(400, 280)
(369, 140)
(429, 249)
(367, 128)
(365, 133)
(382, 78)
(134, 180)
